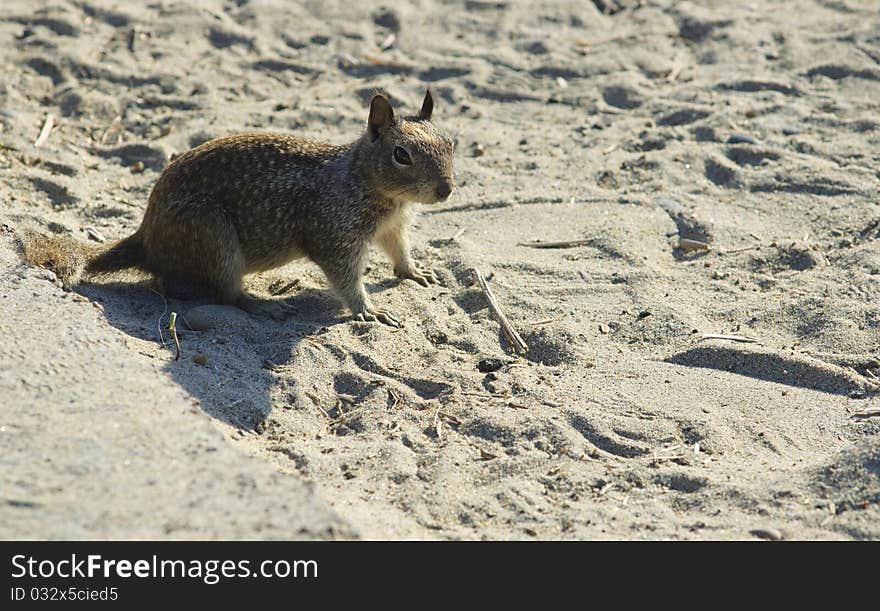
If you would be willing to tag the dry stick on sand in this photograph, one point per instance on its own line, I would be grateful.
(568, 244)
(733, 338)
(509, 332)
(866, 412)
(172, 327)
(438, 426)
(678, 67)
(734, 251)
(285, 288)
(47, 129)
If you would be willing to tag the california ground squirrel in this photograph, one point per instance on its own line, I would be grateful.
(253, 202)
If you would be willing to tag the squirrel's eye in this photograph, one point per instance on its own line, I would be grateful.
(401, 156)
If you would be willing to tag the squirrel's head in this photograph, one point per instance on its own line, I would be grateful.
(411, 159)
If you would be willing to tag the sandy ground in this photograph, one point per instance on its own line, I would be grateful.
(752, 128)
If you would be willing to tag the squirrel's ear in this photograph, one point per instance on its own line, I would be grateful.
(381, 115)
(427, 106)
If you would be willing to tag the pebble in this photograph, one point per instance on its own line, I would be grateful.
(489, 365)
(770, 534)
(668, 204)
(95, 235)
(207, 317)
(387, 18)
(740, 138)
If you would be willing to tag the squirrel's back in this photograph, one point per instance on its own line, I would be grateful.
(250, 164)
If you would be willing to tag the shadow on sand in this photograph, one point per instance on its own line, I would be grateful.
(230, 367)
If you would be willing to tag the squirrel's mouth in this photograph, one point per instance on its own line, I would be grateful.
(439, 193)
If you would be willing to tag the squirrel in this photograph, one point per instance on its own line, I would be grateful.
(253, 202)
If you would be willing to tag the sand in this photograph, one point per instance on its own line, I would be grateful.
(646, 132)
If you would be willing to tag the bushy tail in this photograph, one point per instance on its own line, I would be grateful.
(69, 258)
(124, 254)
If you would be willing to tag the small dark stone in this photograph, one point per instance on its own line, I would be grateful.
(387, 18)
(537, 48)
(685, 116)
(741, 139)
(705, 134)
(489, 365)
(790, 131)
(623, 97)
(643, 314)
(57, 228)
(607, 180)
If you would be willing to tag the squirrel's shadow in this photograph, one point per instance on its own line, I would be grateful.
(229, 368)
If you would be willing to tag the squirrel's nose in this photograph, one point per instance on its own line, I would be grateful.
(444, 189)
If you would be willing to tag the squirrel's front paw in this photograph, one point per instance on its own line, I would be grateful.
(422, 276)
(380, 316)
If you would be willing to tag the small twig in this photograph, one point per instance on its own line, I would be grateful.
(481, 395)
(568, 244)
(604, 489)
(389, 63)
(438, 426)
(162, 315)
(47, 129)
(867, 412)
(293, 283)
(509, 332)
(395, 399)
(734, 251)
(172, 327)
(458, 234)
(733, 338)
(317, 402)
(484, 455)
(676, 70)
(547, 320)
(449, 418)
